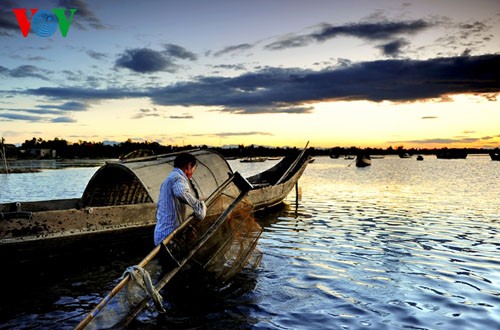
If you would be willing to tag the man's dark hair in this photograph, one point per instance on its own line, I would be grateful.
(183, 159)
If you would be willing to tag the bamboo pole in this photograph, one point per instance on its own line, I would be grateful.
(291, 167)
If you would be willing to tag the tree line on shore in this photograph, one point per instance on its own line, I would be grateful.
(85, 149)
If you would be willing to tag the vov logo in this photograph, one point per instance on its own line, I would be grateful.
(44, 23)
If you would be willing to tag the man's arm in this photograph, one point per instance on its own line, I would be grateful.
(182, 191)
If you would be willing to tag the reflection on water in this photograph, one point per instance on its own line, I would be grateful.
(401, 244)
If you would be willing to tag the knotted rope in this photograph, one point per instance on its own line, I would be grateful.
(142, 278)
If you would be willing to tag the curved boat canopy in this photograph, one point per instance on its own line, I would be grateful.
(138, 180)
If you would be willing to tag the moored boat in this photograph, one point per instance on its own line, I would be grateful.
(273, 185)
(363, 160)
(404, 155)
(495, 155)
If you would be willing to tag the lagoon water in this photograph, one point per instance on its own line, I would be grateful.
(402, 244)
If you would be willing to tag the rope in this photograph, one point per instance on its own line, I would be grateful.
(142, 278)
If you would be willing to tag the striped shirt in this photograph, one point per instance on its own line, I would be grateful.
(175, 194)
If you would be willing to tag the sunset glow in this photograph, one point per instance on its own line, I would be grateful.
(276, 73)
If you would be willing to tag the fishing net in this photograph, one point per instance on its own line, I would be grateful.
(220, 245)
(235, 242)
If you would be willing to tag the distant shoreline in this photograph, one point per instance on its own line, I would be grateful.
(19, 170)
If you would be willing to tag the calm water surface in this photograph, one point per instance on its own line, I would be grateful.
(398, 245)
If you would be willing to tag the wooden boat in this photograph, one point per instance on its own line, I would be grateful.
(273, 185)
(363, 160)
(117, 209)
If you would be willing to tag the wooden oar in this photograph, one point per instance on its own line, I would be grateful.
(239, 181)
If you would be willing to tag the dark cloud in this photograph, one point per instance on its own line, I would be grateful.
(393, 48)
(36, 115)
(73, 106)
(392, 80)
(87, 94)
(18, 116)
(8, 22)
(146, 113)
(290, 42)
(474, 29)
(145, 60)
(68, 106)
(184, 116)
(41, 111)
(96, 55)
(269, 109)
(238, 67)
(229, 134)
(63, 120)
(84, 16)
(179, 52)
(25, 71)
(372, 31)
(366, 31)
(277, 89)
(233, 49)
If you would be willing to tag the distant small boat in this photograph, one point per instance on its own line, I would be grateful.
(495, 155)
(253, 160)
(334, 156)
(377, 157)
(420, 157)
(349, 157)
(404, 155)
(363, 160)
(451, 154)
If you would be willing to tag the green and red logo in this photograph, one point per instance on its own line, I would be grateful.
(44, 23)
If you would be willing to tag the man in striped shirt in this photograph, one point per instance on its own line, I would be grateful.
(175, 194)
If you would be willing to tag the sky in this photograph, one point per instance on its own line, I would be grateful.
(367, 73)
